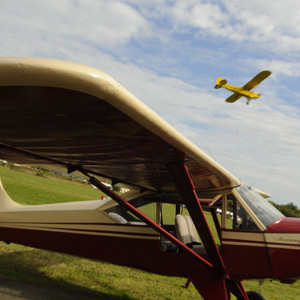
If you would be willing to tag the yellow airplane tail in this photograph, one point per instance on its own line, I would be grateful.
(220, 82)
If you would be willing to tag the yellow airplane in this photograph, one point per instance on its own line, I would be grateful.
(244, 90)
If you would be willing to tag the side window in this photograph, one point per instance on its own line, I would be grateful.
(123, 216)
(168, 214)
(237, 217)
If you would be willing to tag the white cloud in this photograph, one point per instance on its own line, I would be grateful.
(278, 67)
(203, 15)
(110, 23)
(274, 26)
(104, 23)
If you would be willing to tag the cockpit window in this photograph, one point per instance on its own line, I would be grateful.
(265, 211)
(123, 216)
(237, 217)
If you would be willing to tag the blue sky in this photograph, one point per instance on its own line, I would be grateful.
(169, 54)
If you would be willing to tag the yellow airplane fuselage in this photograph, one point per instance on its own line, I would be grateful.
(245, 90)
(241, 91)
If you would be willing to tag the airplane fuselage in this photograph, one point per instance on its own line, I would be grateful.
(241, 91)
(96, 229)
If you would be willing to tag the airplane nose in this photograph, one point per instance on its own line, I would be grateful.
(285, 225)
(283, 239)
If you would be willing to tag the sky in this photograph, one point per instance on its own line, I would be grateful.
(170, 53)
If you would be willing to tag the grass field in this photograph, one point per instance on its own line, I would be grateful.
(78, 278)
(28, 186)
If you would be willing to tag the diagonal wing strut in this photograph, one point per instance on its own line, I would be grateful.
(145, 219)
(186, 188)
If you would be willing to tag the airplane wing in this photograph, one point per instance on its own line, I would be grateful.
(256, 80)
(61, 113)
(234, 97)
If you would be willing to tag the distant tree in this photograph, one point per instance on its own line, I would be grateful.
(116, 188)
(289, 210)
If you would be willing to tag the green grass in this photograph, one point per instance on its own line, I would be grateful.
(25, 187)
(78, 278)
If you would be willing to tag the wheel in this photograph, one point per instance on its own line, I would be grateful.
(255, 296)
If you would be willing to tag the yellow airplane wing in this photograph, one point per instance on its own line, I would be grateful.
(256, 80)
(233, 98)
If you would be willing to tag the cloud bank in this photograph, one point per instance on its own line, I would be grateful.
(169, 54)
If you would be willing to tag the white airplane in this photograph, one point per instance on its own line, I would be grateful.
(61, 113)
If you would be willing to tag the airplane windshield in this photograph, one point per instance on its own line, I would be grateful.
(265, 211)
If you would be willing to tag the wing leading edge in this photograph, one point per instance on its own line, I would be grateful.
(256, 80)
(64, 113)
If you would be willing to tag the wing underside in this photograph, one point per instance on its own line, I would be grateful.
(60, 113)
(234, 97)
(256, 80)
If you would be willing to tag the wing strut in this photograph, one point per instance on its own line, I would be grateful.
(145, 219)
(186, 188)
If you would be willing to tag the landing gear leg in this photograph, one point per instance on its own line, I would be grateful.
(255, 296)
(211, 288)
(237, 289)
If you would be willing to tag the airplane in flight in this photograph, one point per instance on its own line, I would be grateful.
(58, 113)
(244, 91)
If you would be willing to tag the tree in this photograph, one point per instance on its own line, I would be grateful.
(289, 210)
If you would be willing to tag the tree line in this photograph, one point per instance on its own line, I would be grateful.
(289, 210)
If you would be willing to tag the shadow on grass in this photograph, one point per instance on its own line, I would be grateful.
(21, 278)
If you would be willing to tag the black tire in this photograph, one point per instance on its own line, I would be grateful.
(255, 296)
